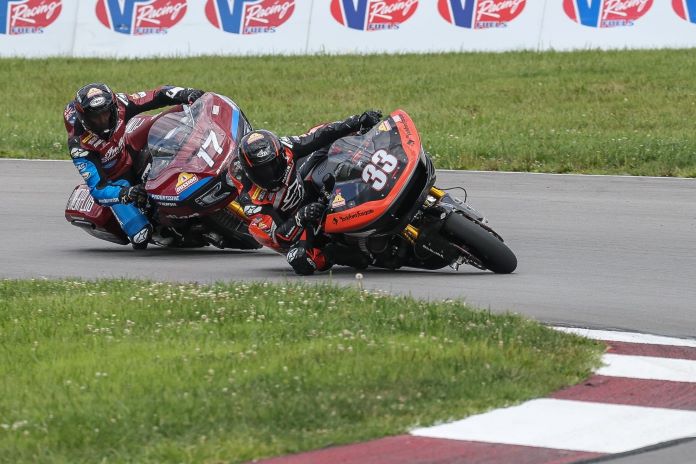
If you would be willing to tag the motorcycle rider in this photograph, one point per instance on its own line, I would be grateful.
(96, 122)
(280, 198)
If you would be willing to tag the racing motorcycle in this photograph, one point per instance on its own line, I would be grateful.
(381, 200)
(182, 157)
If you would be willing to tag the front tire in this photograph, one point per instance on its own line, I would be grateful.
(485, 246)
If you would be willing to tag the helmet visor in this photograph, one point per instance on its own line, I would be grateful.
(269, 175)
(99, 120)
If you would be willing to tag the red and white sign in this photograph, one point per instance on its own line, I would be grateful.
(28, 17)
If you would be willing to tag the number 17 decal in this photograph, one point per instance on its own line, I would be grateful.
(375, 173)
(203, 153)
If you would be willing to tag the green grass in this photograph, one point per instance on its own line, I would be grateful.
(619, 112)
(127, 371)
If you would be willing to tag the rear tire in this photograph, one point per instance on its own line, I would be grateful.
(485, 246)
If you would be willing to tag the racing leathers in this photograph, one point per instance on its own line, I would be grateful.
(284, 220)
(106, 164)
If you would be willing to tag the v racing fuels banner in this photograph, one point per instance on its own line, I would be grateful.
(148, 28)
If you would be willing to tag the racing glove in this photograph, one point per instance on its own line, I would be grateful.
(135, 194)
(369, 119)
(309, 215)
(189, 96)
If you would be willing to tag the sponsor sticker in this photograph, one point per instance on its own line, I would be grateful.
(254, 137)
(264, 222)
(249, 16)
(78, 152)
(258, 194)
(373, 15)
(29, 16)
(97, 101)
(94, 91)
(338, 200)
(165, 197)
(606, 13)
(140, 17)
(480, 14)
(185, 181)
(355, 215)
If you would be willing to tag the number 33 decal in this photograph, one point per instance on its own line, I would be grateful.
(376, 172)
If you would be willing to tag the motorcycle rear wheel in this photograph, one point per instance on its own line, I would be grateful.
(485, 246)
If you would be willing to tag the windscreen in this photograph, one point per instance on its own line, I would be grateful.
(167, 136)
(366, 167)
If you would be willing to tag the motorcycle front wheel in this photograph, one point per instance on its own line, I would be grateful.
(485, 246)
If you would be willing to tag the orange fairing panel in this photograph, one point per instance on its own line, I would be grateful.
(362, 215)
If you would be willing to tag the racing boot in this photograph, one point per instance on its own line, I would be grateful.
(134, 223)
(140, 240)
(345, 256)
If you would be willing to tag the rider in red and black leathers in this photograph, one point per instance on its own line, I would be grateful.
(279, 196)
(96, 122)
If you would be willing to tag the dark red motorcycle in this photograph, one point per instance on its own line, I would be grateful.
(182, 156)
(382, 202)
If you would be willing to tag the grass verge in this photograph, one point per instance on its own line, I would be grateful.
(129, 371)
(611, 112)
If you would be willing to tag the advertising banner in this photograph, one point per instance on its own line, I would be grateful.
(136, 28)
(618, 24)
(369, 26)
(34, 28)
(171, 28)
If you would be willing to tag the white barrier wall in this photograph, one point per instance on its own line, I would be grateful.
(142, 28)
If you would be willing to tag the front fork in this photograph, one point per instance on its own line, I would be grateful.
(238, 210)
(411, 232)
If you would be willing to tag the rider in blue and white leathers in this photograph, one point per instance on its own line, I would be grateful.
(96, 124)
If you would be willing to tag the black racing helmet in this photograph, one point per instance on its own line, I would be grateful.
(96, 109)
(263, 159)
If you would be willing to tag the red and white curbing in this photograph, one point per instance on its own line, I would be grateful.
(644, 395)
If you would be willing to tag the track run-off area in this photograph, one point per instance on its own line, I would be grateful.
(601, 252)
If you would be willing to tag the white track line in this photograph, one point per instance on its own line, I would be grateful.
(571, 425)
(647, 367)
(629, 337)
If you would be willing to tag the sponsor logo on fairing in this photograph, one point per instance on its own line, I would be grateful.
(184, 181)
(165, 197)
(249, 16)
(373, 15)
(480, 14)
(28, 16)
(140, 17)
(686, 9)
(606, 13)
(355, 215)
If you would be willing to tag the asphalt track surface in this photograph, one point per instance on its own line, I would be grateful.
(593, 251)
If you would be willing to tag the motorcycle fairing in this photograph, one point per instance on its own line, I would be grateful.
(82, 211)
(361, 194)
(196, 141)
